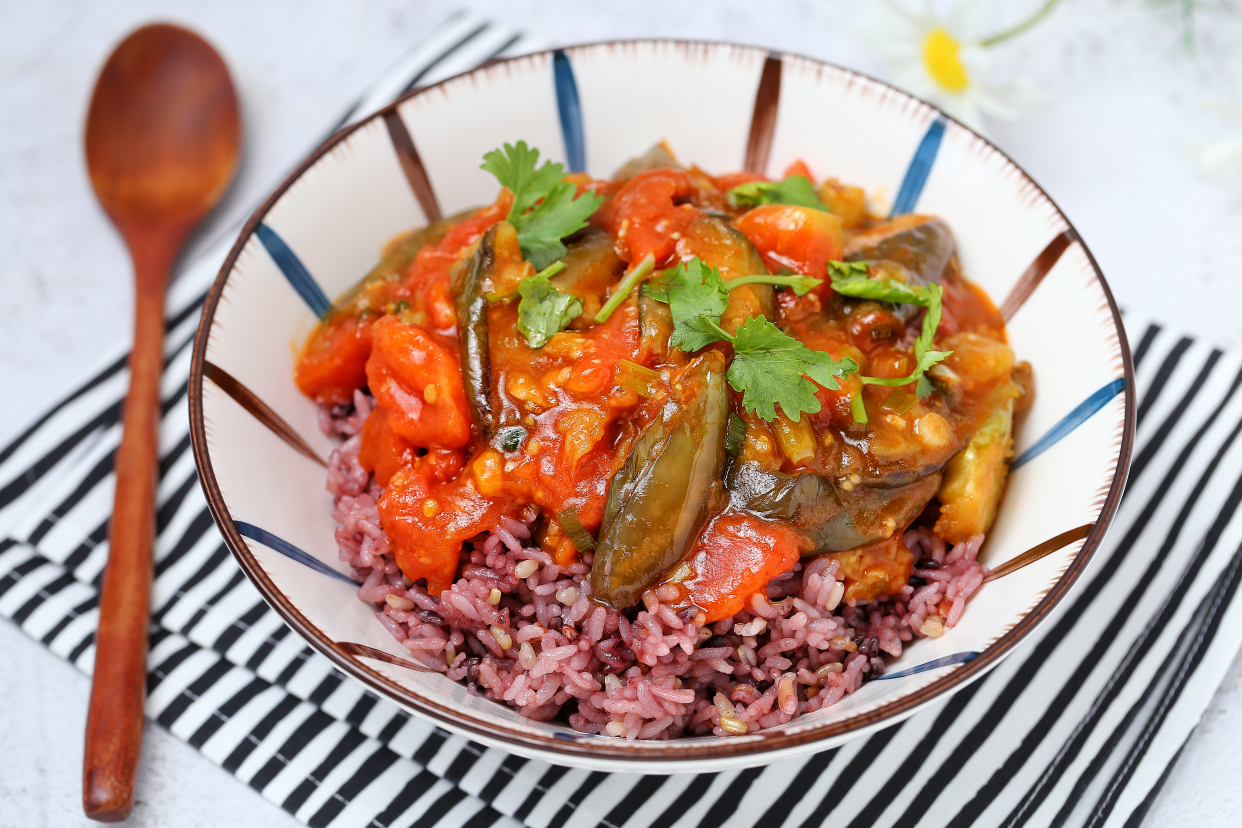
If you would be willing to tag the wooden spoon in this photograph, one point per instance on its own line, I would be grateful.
(162, 140)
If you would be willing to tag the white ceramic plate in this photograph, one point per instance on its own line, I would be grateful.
(724, 108)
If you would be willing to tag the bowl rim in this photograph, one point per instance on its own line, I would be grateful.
(704, 749)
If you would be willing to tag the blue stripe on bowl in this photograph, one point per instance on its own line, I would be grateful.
(297, 274)
(944, 661)
(248, 530)
(1071, 421)
(919, 169)
(569, 106)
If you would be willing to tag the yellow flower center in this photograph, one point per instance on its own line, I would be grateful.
(940, 53)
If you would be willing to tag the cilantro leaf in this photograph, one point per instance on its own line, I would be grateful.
(924, 356)
(544, 209)
(851, 279)
(768, 368)
(796, 189)
(694, 291)
(657, 290)
(544, 310)
(560, 214)
(516, 168)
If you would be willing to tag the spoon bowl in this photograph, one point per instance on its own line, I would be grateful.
(163, 129)
(163, 135)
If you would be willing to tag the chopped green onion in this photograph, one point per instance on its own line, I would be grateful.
(511, 438)
(643, 381)
(858, 407)
(736, 435)
(899, 402)
(574, 530)
(625, 287)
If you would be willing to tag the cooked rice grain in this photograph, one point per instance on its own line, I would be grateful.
(546, 650)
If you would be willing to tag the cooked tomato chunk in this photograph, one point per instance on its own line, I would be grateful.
(427, 521)
(734, 558)
(418, 382)
(801, 239)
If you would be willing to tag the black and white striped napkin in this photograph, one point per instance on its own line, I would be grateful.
(1078, 727)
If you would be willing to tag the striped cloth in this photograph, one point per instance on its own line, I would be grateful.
(1078, 727)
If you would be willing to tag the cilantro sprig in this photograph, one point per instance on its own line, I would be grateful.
(769, 367)
(545, 208)
(696, 294)
(851, 279)
(794, 189)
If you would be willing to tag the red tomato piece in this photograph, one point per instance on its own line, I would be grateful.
(801, 239)
(735, 558)
(799, 167)
(334, 363)
(643, 215)
(728, 181)
(427, 521)
(614, 340)
(383, 451)
(418, 382)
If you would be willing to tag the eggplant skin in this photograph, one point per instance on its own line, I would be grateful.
(832, 519)
(920, 244)
(658, 502)
(470, 281)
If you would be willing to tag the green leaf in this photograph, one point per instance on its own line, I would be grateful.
(657, 291)
(770, 368)
(796, 189)
(516, 168)
(544, 209)
(544, 310)
(696, 296)
(560, 214)
(851, 279)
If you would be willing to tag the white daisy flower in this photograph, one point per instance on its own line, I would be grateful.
(1223, 156)
(941, 55)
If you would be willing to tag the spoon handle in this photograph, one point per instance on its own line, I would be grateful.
(115, 717)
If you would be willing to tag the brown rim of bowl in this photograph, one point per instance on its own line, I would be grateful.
(637, 751)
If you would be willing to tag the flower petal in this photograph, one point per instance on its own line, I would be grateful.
(1223, 157)
(967, 20)
(891, 30)
(1009, 99)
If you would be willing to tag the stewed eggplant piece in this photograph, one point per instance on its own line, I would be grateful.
(915, 249)
(658, 501)
(832, 517)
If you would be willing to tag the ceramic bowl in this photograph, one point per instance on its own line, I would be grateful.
(725, 108)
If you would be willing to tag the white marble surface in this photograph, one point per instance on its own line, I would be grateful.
(1126, 98)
